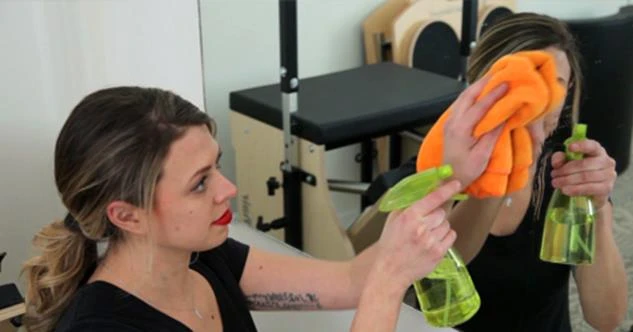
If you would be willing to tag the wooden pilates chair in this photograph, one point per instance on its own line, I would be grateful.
(334, 110)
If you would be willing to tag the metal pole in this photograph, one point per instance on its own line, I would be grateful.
(289, 100)
(469, 32)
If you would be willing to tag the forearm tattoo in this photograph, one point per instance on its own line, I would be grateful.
(283, 301)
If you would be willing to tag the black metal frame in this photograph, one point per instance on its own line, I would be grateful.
(288, 44)
(469, 31)
(293, 176)
(289, 88)
(366, 167)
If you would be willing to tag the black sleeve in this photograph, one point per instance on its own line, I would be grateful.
(233, 254)
(236, 252)
(97, 325)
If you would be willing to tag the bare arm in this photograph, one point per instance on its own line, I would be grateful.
(603, 285)
(472, 220)
(278, 282)
(469, 156)
(274, 281)
(381, 298)
(412, 243)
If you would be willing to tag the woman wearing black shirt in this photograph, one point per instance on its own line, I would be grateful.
(138, 170)
(501, 237)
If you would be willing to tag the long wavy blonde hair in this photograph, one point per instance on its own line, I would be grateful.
(112, 147)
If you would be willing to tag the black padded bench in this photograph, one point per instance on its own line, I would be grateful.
(350, 106)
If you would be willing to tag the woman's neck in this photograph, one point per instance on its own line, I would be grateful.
(157, 275)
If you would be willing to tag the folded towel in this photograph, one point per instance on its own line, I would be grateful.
(533, 91)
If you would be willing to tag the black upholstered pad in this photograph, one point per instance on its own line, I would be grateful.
(349, 106)
(436, 49)
(493, 17)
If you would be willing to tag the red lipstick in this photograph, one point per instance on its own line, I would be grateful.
(225, 219)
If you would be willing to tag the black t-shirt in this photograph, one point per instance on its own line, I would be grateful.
(101, 306)
(518, 291)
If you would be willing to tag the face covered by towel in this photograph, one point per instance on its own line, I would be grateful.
(533, 91)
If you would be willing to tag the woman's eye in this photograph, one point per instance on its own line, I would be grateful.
(201, 185)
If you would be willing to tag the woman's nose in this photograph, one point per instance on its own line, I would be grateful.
(226, 190)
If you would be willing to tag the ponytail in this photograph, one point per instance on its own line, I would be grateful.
(53, 277)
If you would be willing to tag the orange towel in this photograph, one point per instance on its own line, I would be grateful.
(533, 91)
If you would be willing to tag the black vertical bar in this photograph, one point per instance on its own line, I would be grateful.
(2, 255)
(395, 151)
(469, 31)
(293, 232)
(288, 43)
(366, 168)
(289, 89)
(469, 25)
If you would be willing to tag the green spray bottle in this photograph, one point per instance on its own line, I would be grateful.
(447, 296)
(569, 230)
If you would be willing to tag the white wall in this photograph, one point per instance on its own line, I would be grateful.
(240, 41)
(52, 54)
(571, 9)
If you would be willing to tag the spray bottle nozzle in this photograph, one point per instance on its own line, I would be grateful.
(579, 133)
(414, 187)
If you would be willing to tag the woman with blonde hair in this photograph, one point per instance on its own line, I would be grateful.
(139, 170)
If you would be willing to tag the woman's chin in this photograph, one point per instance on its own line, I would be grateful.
(217, 236)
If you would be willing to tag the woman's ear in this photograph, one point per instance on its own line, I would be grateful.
(127, 217)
